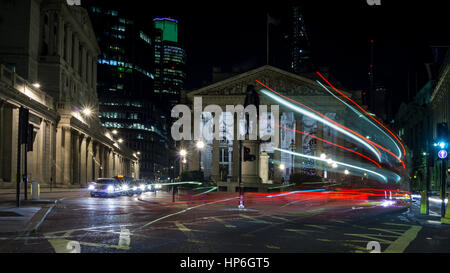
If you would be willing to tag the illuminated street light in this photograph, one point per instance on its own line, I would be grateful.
(330, 161)
(138, 153)
(200, 144)
(183, 152)
(323, 156)
(184, 160)
(282, 166)
(114, 132)
(120, 140)
(87, 111)
(334, 165)
(37, 85)
(346, 172)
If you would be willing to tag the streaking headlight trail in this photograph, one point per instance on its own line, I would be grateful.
(316, 117)
(364, 117)
(384, 178)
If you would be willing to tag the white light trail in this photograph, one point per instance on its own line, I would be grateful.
(364, 117)
(316, 117)
(339, 163)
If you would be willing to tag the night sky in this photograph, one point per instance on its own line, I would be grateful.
(226, 33)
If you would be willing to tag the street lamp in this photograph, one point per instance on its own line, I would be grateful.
(200, 145)
(37, 85)
(120, 140)
(87, 112)
(346, 172)
(323, 156)
(183, 152)
(114, 132)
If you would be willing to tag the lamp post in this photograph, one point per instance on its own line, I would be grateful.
(200, 146)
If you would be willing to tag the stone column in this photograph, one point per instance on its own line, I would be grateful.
(59, 35)
(76, 53)
(83, 71)
(298, 144)
(96, 160)
(89, 159)
(319, 149)
(235, 157)
(83, 160)
(2, 136)
(76, 158)
(51, 33)
(67, 156)
(264, 167)
(68, 49)
(59, 161)
(9, 132)
(215, 174)
(89, 69)
(277, 154)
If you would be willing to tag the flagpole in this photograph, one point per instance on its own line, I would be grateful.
(267, 36)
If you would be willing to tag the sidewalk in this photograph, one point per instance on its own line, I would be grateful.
(31, 213)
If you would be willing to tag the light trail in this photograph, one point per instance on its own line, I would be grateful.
(404, 151)
(334, 144)
(292, 192)
(339, 163)
(403, 164)
(324, 121)
(363, 116)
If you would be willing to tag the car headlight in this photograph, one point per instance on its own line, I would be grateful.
(134, 188)
(142, 187)
(125, 187)
(158, 186)
(91, 187)
(110, 188)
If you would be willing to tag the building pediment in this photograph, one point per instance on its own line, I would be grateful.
(277, 79)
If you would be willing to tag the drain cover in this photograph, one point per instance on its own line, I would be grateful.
(9, 214)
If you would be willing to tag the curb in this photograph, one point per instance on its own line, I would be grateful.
(35, 221)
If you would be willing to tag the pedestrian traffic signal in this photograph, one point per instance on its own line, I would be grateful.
(247, 155)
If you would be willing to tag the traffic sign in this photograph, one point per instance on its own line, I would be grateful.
(442, 154)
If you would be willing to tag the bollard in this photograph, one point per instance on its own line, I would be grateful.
(35, 190)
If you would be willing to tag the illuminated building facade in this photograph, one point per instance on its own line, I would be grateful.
(128, 104)
(170, 60)
(51, 70)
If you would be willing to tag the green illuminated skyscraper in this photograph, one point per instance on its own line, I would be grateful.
(170, 60)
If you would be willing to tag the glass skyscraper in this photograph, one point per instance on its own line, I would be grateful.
(128, 103)
(170, 61)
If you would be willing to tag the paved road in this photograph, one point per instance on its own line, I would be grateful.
(211, 222)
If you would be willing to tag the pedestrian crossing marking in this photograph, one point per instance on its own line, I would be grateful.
(255, 219)
(403, 241)
(372, 237)
(395, 224)
(182, 227)
(272, 247)
(398, 232)
(300, 231)
(317, 226)
(223, 222)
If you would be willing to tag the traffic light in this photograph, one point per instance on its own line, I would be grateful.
(247, 155)
(442, 135)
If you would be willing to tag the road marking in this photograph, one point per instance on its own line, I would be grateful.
(397, 232)
(182, 211)
(403, 241)
(395, 224)
(280, 218)
(372, 237)
(272, 247)
(255, 219)
(317, 226)
(300, 231)
(222, 222)
(182, 227)
(66, 246)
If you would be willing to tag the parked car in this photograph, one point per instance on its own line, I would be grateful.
(106, 187)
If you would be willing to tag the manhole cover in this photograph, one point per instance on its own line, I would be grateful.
(9, 214)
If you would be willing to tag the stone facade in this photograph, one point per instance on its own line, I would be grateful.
(54, 44)
(225, 153)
